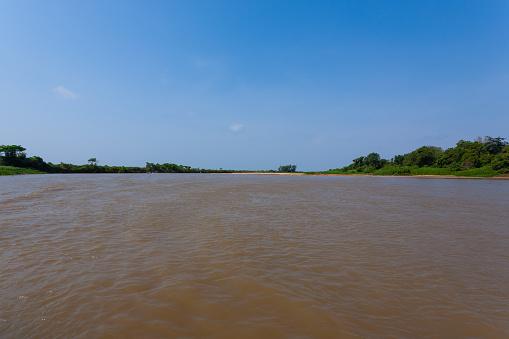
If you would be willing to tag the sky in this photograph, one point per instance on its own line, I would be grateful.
(250, 84)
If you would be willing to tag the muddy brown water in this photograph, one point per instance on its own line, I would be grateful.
(247, 256)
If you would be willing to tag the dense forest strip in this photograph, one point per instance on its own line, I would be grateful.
(483, 157)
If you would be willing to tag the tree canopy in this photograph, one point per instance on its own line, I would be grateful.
(12, 155)
(489, 153)
(287, 168)
(12, 151)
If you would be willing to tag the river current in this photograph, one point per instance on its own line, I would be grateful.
(252, 256)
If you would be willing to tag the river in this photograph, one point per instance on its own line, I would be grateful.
(250, 256)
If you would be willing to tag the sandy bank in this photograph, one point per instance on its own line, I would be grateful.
(375, 176)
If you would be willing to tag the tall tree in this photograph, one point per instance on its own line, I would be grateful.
(494, 145)
(287, 168)
(12, 154)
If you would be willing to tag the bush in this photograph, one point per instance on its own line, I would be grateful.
(431, 171)
(478, 172)
(10, 170)
(287, 168)
(393, 170)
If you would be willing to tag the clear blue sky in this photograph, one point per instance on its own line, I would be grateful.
(250, 84)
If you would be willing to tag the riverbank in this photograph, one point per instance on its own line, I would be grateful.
(376, 176)
(10, 170)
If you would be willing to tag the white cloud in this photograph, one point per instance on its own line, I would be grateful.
(64, 93)
(236, 127)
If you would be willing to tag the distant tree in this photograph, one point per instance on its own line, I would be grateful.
(92, 161)
(287, 168)
(398, 159)
(423, 156)
(358, 162)
(501, 161)
(11, 151)
(466, 155)
(372, 160)
(494, 145)
(13, 155)
(151, 167)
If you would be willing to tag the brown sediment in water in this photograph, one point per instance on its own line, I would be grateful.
(252, 256)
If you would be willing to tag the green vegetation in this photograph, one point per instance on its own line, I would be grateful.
(486, 157)
(11, 170)
(174, 168)
(13, 160)
(287, 168)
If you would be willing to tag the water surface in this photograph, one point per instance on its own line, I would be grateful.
(244, 256)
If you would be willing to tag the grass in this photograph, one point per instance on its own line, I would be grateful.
(431, 171)
(334, 171)
(393, 170)
(478, 172)
(406, 170)
(9, 170)
(387, 170)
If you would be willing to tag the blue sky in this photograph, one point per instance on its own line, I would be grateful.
(250, 84)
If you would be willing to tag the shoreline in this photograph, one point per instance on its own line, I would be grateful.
(421, 176)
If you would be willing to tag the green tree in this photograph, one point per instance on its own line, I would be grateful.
(494, 145)
(466, 155)
(372, 160)
(398, 159)
(423, 156)
(501, 161)
(13, 155)
(358, 162)
(287, 168)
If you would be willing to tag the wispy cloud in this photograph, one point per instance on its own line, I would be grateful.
(64, 93)
(236, 127)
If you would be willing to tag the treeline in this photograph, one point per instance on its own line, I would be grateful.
(13, 158)
(287, 168)
(482, 157)
(174, 168)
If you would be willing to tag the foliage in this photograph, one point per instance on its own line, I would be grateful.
(398, 159)
(482, 157)
(485, 171)
(11, 170)
(372, 160)
(287, 168)
(501, 161)
(11, 151)
(430, 171)
(466, 155)
(393, 170)
(493, 145)
(12, 155)
(423, 156)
